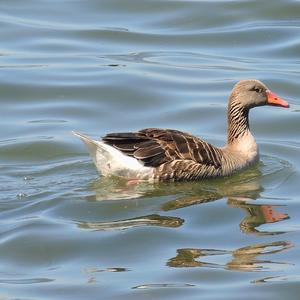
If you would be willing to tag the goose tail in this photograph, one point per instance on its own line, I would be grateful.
(91, 145)
(110, 161)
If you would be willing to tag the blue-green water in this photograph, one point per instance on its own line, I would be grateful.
(115, 65)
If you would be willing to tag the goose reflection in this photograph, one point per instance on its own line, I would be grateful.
(238, 196)
(92, 272)
(241, 259)
(149, 220)
(257, 215)
(239, 190)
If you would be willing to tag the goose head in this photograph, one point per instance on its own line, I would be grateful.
(251, 93)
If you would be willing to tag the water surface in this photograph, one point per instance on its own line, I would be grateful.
(105, 66)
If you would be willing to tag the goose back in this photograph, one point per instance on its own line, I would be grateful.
(175, 154)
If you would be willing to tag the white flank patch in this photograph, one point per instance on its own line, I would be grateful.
(110, 161)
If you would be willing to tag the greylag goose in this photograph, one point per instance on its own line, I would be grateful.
(154, 154)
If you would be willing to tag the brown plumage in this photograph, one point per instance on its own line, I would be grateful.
(155, 146)
(167, 154)
(177, 155)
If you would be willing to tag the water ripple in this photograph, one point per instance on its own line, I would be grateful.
(25, 281)
(115, 65)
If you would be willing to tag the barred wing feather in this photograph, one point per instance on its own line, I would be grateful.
(155, 147)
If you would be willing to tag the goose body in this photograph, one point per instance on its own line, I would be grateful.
(165, 154)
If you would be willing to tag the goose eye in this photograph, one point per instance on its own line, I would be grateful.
(256, 89)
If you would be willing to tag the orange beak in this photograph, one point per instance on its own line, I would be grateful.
(273, 99)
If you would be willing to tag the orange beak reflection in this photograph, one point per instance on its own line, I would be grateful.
(273, 99)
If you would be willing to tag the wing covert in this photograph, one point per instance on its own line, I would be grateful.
(155, 147)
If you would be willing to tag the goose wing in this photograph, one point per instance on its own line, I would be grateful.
(154, 147)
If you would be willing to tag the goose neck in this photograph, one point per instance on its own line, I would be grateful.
(238, 122)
